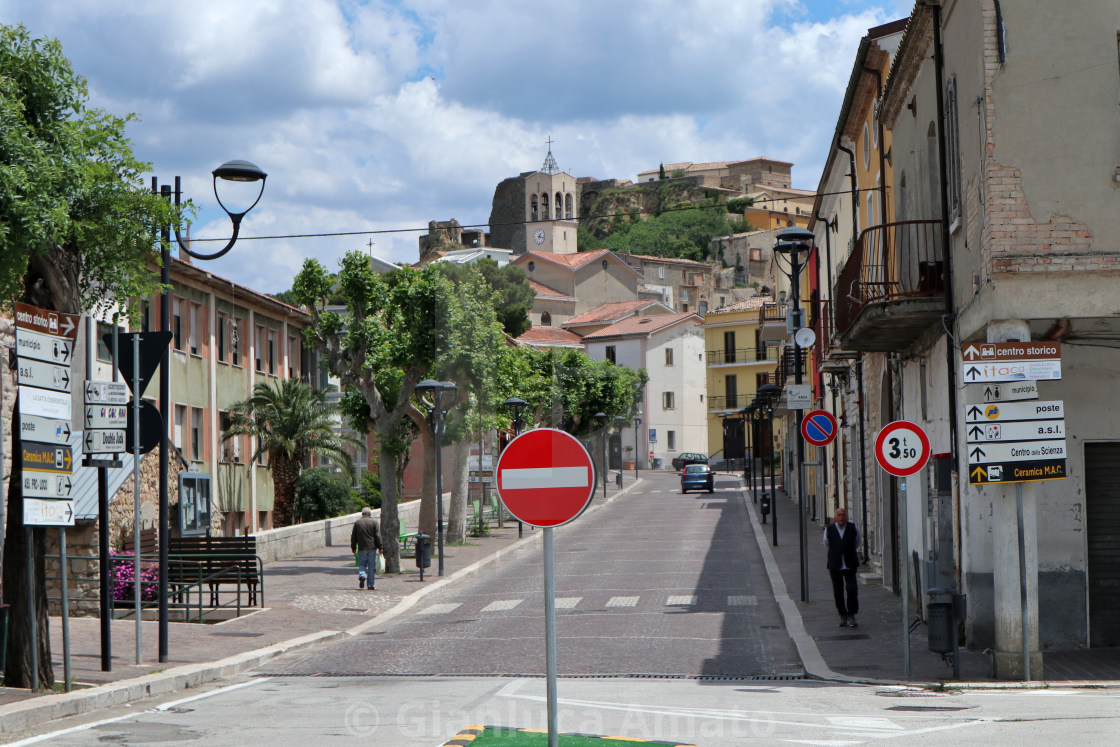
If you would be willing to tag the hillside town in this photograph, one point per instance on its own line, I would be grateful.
(913, 343)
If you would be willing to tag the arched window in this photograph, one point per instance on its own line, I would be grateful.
(544, 206)
(533, 207)
(546, 319)
(559, 205)
(568, 206)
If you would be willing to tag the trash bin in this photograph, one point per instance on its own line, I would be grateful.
(939, 621)
(658, 462)
(423, 551)
(4, 610)
(764, 504)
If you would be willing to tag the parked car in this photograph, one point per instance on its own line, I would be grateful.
(697, 477)
(682, 460)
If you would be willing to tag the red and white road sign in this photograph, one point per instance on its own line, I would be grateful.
(545, 477)
(902, 448)
(819, 427)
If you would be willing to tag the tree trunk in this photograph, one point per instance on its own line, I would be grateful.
(457, 513)
(17, 592)
(285, 474)
(390, 518)
(427, 521)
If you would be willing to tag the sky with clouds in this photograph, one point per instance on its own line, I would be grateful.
(374, 116)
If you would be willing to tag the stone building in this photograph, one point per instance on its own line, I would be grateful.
(537, 211)
(570, 284)
(680, 284)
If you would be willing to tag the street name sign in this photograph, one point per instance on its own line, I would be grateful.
(819, 427)
(1011, 392)
(545, 477)
(43, 347)
(1003, 351)
(1011, 361)
(48, 513)
(1031, 410)
(1016, 451)
(47, 322)
(1015, 430)
(44, 375)
(44, 430)
(902, 448)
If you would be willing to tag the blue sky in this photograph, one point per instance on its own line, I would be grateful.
(385, 115)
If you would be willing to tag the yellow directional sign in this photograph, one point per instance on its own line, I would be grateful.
(38, 457)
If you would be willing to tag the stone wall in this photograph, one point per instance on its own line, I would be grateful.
(277, 544)
(507, 214)
(7, 401)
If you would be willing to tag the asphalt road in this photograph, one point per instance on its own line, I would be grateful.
(653, 583)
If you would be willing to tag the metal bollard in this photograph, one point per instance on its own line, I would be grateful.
(764, 506)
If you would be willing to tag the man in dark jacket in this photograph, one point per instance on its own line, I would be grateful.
(365, 539)
(842, 540)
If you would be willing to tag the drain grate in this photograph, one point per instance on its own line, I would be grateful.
(537, 675)
(923, 709)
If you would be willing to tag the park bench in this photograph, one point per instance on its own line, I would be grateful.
(217, 561)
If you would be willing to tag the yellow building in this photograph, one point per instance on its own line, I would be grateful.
(738, 363)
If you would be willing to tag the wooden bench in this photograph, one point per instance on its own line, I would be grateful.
(218, 561)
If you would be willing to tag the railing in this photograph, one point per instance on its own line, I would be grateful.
(787, 366)
(820, 320)
(890, 262)
(727, 402)
(772, 312)
(741, 355)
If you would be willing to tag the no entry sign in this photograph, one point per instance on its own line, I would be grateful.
(819, 428)
(902, 448)
(545, 478)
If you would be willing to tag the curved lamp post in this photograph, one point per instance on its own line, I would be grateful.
(748, 454)
(637, 424)
(795, 244)
(601, 421)
(620, 423)
(768, 395)
(436, 411)
(516, 405)
(238, 171)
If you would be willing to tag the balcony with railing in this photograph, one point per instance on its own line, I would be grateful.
(742, 356)
(772, 322)
(787, 366)
(720, 402)
(892, 288)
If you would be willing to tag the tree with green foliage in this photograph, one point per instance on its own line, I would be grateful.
(76, 228)
(514, 298)
(661, 171)
(380, 346)
(290, 422)
(321, 494)
(680, 234)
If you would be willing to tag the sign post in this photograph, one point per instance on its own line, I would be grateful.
(546, 479)
(902, 449)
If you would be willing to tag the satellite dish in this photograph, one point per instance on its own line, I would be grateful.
(805, 337)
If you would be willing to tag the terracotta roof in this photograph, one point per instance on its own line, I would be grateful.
(538, 335)
(751, 304)
(571, 261)
(673, 260)
(610, 312)
(544, 291)
(641, 325)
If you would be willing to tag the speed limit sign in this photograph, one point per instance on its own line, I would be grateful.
(902, 448)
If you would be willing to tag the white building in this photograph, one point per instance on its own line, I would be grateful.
(670, 347)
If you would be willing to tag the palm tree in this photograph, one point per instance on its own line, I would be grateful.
(290, 421)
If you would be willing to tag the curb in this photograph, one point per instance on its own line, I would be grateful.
(25, 715)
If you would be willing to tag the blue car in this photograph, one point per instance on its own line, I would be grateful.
(697, 477)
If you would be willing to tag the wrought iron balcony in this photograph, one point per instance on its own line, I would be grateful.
(892, 287)
(727, 402)
(741, 356)
(787, 366)
(772, 322)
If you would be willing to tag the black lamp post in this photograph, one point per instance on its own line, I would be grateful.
(768, 395)
(601, 421)
(515, 404)
(795, 244)
(620, 423)
(637, 424)
(436, 413)
(234, 171)
(748, 454)
(757, 407)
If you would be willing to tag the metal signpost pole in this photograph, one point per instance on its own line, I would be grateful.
(438, 415)
(164, 512)
(773, 470)
(905, 581)
(797, 374)
(28, 539)
(136, 488)
(106, 607)
(1023, 600)
(65, 610)
(550, 638)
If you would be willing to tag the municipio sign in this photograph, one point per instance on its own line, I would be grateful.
(545, 477)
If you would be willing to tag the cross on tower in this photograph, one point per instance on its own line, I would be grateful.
(370, 246)
(550, 166)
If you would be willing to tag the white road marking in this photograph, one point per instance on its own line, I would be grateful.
(863, 722)
(683, 600)
(440, 609)
(164, 707)
(501, 605)
(567, 603)
(622, 601)
(748, 600)
(545, 477)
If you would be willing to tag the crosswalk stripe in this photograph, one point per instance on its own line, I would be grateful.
(567, 603)
(501, 604)
(683, 600)
(440, 609)
(742, 601)
(622, 602)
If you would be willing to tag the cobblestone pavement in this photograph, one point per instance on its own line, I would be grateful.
(654, 583)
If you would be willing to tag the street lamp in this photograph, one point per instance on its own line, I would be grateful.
(516, 404)
(236, 171)
(637, 424)
(768, 395)
(436, 413)
(795, 244)
(748, 453)
(601, 421)
(619, 424)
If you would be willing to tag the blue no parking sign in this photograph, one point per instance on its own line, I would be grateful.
(819, 428)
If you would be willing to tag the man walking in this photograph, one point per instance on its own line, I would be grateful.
(842, 541)
(365, 539)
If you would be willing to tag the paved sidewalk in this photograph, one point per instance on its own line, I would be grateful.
(874, 650)
(312, 593)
